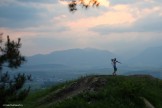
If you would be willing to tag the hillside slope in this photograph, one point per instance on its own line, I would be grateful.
(137, 91)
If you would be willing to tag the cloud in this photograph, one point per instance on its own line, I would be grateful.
(46, 25)
(39, 1)
(110, 17)
(28, 13)
(115, 2)
(143, 20)
(151, 23)
(130, 2)
(17, 16)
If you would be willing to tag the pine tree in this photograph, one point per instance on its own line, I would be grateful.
(72, 4)
(11, 87)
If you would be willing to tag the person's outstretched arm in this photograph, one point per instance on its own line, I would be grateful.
(118, 62)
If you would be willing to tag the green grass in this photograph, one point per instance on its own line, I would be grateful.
(118, 92)
(30, 101)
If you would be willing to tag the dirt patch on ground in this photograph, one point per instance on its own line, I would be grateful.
(84, 84)
(147, 103)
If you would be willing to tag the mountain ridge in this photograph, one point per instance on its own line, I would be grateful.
(88, 57)
(150, 57)
(91, 58)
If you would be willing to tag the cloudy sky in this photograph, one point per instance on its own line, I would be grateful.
(120, 26)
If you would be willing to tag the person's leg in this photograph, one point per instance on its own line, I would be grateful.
(113, 73)
(115, 70)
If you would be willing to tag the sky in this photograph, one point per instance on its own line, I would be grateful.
(120, 26)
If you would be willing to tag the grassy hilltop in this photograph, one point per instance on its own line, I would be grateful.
(137, 91)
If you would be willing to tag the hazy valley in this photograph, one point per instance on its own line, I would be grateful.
(60, 66)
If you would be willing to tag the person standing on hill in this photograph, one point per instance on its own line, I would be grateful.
(114, 61)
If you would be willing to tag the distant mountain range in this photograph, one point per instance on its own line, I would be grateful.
(79, 58)
(94, 58)
(150, 57)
